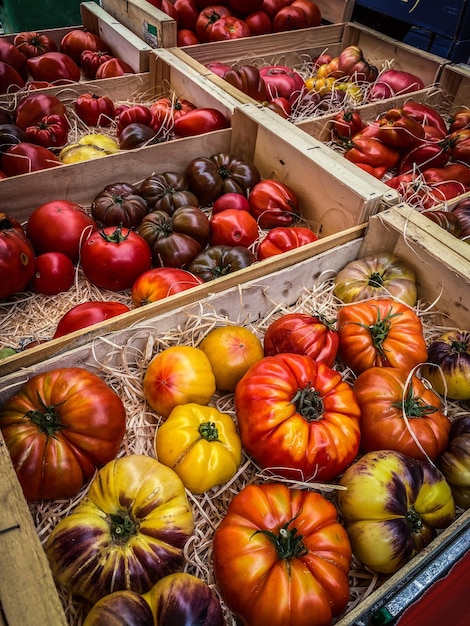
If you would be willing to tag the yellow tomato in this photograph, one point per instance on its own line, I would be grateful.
(231, 350)
(178, 375)
(91, 146)
(200, 444)
(320, 84)
(352, 90)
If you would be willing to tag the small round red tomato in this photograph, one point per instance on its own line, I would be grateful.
(186, 37)
(90, 61)
(27, 157)
(273, 203)
(207, 18)
(259, 23)
(112, 68)
(59, 226)
(16, 257)
(77, 41)
(229, 27)
(233, 228)
(33, 43)
(301, 333)
(311, 10)
(289, 18)
(162, 282)
(94, 110)
(35, 106)
(55, 67)
(199, 121)
(114, 257)
(54, 274)
(51, 131)
(86, 314)
(284, 238)
(231, 200)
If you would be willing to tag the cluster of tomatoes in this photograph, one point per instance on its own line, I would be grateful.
(428, 158)
(201, 21)
(34, 60)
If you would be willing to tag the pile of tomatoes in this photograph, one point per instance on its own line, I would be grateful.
(201, 21)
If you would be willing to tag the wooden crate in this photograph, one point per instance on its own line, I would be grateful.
(159, 30)
(333, 200)
(27, 594)
(121, 41)
(295, 48)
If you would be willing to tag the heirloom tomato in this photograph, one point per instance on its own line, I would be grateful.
(162, 282)
(12, 56)
(112, 68)
(411, 500)
(425, 115)
(282, 239)
(86, 314)
(399, 130)
(120, 608)
(51, 131)
(460, 145)
(460, 120)
(27, 157)
(33, 43)
(175, 240)
(90, 61)
(59, 226)
(229, 27)
(248, 79)
(136, 113)
(186, 37)
(392, 83)
(167, 191)
(273, 203)
(281, 557)
(54, 67)
(207, 18)
(54, 273)
(11, 135)
(137, 135)
(167, 110)
(448, 364)
(89, 146)
(59, 427)
(380, 333)
(94, 110)
(231, 350)
(398, 412)
(35, 106)
(282, 81)
(233, 228)
(290, 18)
(311, 10)
(114, 257)
(211, 177)
(297, 417)
(178, 375)
(187, 12)
(10, 79)
(455, 461)
(377, 275)
(217, 261)
(445, 219)
(371, 151)
(259, 23)
(119, 204)
(131, 527)
(199, 121)
(17, 263)
(200, 444)
(346, 123)
(462, 211)
(76, 41)
(301, 333)
(182, 598)
(231, 200)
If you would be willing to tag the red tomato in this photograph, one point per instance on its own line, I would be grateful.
(77, 41)
(273, 203)
(167, 110)
(207, 18)
(186, 37)
(302, 333)
(169, 9)
(284, 238)
(114, 257)
(136, 114)
(10, 79)
(90, 61)
(199, 121)
(54, 274)
(187, 12)
(94, 110)
(55, 67)
(59, 226)
(35, 106)
(298, 417)
(87, 314)
(231, 200)
(112, 68)
(218, 68)
(26, 157)
(244, 6)
(33, 43)
(282, 81)
(229, 27)
(162, 282)
(233, 228)
(50, 132)
(271, 7)
(289, 18)
(10, 55)
(259, 23)
(17, 261)
(311, 10)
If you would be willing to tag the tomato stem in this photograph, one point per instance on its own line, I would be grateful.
(288, 544)
(308, 403)
(414, 406)
(47, 418)
(380, 329)
(122, 526)
(208, 431)
(376, 280)
(413, 520)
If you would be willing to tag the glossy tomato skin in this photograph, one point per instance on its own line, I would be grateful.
(259, 23)
(13, 57)
(162, 282)
(289, 18)
(136, 113)
(207, 18)
(114, 257)
(307, 582)
(50, 132)
(77, 41)
(284, 238)
(273, 6)
(229, 27)
(199, 121)
(59, 427)
(176, 376)
(411, 501)
(90, 61)
(231, 200)
(233, 228)
(311, 10)
(167, 110)
(94, 110)
(59, 226)
(87, 314)
(397, 413)
(448, 365)
(112, 68)
(54, 67)
(187, 12)
(54, 273)
(282, 81)
(120, 607)
(132, 525)
(380, 333)
(298, 416)
(27, 157)
(35, 106)
(272, 203)
(33, 43)
(217, 261)
(167, 192)
(455, 461)
(186, 37)
(17, 262)
(10, 79)
(119, 204)
(301, 333)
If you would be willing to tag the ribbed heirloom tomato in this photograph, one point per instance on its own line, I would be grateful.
(162, 282)
(281, 557)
